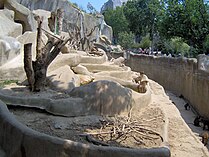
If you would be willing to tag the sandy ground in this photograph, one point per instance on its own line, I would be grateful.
(138, 131)
(183, 136)
(184, 139)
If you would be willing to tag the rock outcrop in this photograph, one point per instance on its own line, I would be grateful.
(112, 4)
(22, 15)
(7, 25)
(105, 97)
(73, 16)
(81, 70)
(63, 79)
(203, 62)
(29, 37)
(9, 49)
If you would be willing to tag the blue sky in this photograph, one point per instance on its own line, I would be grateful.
(96, 3)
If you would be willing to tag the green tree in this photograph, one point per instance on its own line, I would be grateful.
(145, 42)
(188, 19)
(177, 45)
(126, 39)
(117, 20)
(142, 16)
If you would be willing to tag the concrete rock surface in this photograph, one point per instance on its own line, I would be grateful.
(63, 79)
(7, 25)
(65, 59)
(9, 49)
(22, 14)
(105, 97)
(80, 69)
(72, 15)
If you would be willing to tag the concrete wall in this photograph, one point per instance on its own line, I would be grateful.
(179, 75)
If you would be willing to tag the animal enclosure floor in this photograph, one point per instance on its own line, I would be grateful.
(181, 133)
(139, 130)
(184, 140)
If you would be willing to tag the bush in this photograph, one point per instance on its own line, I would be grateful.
(176, 45)
(136, 46)
(145, 42)
(126, 40)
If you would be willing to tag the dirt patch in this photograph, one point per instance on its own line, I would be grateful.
(141, 129)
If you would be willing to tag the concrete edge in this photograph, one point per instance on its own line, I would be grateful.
(165, 130)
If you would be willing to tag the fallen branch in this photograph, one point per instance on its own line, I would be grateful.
(145, 135)
(137, 140)
(51, 34)
(96, 133)
(94, 141)
(125, 127)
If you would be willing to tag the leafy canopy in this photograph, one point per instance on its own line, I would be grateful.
(168, 19)
(117, 20)
(126, 39)
(188, 19)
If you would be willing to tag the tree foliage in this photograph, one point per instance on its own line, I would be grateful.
(176, 46)
(145, 42)
(142, 15)
(126, 39)
(188, 19)
(206, 44)
(168, 19)
(117, 20)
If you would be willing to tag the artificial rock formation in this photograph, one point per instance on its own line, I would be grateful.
(7, 25)
(105, 97)
(22, 15)
(80, 69)
(83, 64)
(9, 49)
(112, 4)
(203, 63)
(73, 16)
(63, 79)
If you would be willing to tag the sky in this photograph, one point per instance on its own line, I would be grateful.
(97, 4)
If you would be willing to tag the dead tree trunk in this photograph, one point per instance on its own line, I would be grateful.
(28, 66)
(55, 22)
(85, 41)
(49, 53)
(51, 22)
(60, 17)
(36, 70)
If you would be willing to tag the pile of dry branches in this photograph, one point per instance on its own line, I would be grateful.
(121, 129)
